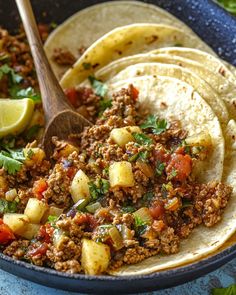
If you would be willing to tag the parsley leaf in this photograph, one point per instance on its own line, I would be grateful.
(8, 163)
(98, 188)
(142, 138)
(7, 206)
(26, 93)
(157, 126)
(160, 167)
(231, 290)
(103, 105)
(6, 70)
(99, 87)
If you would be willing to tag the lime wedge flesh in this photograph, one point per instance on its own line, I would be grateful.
(15, 115)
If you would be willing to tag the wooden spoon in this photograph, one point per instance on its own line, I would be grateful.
(61, 119)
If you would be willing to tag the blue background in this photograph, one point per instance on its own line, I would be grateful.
(224, 276)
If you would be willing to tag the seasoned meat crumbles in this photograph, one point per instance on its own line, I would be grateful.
(119, 192)
(120, 183)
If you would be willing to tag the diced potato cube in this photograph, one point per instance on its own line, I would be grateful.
(11, 195)
(15, 221)
(52, 211)
(33, 156)
(95, 257)
(29, 231)
(35, 210)
(133, 129)
(201, 139)
(121, 174)
(58, 238)
(121, 136)
(79, 187)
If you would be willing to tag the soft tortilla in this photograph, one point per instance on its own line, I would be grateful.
(107, 16)
(126, 41)
(184, 103)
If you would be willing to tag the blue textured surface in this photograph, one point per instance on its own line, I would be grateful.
(224, 276)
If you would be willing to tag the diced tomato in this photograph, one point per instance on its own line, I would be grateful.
(87, 219)
(45, 233)
(134, 92)
(72, 96)
(161, 155)
(157, 210)
(181, 164)
(180, 150)
(41, 250)
(39, 187)
(71, 172)
(6, 234)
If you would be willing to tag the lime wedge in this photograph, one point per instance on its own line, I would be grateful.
(15, 115)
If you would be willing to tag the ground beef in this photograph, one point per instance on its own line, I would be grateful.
(63, 57)
(17, 249)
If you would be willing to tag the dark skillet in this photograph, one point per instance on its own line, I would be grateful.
(218, 29)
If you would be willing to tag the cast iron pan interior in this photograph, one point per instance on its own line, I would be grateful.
(218, 29)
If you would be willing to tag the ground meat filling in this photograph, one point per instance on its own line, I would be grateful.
(148, 212)
(175, 203)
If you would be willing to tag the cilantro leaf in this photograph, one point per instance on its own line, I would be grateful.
(25, 93)
(98, 188)
(103, 105)
(143, 156)
(6, 70)
(172, 174)
(128, 209)
(142, 138)
(99, 87)
(157, 126)
(231, 290)
(160, 167)
(8, 163)
(7, 206)
(139, 225)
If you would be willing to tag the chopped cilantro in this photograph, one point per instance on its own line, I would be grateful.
(172, 174)
(53, 25)
(160, 167)
(52, 218)
(30, 153)
(187, 148)
(139, 225)
(142, 138)
(98, 188)
(5, 57)
(6, 70)
(8, 163)
(157, 126)
(25, 93)
(7, 206)
(32, 132)
(128, 209)
(146, 199)
(230, 290)
(99, 87)
(87, 65)
(143, 155)
(103, 105)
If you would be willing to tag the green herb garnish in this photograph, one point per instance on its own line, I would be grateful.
(186, 203)
(13, 76)
(157, 126)
(99, 188)
(99, 87)
(128, 209)
(25, 93)
(87, 65)
(160, 167)
(32, 132)
(103, 105)
(231, 290)
(7, 206)
(142, 138)
(172, 174)
(8, 163)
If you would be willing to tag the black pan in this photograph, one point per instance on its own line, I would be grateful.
(216, 28)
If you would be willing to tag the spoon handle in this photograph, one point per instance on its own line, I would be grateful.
(53, 97)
